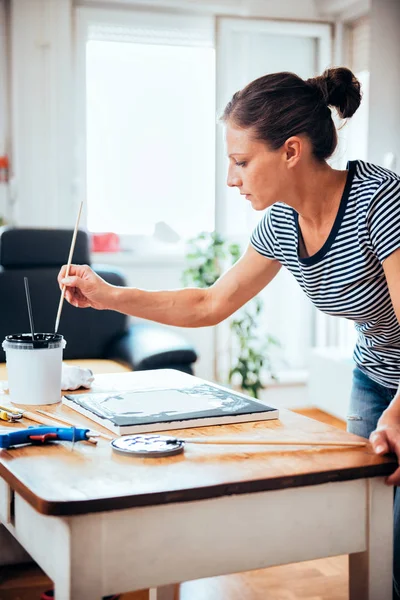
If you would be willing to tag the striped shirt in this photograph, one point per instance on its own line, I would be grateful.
(345, 277)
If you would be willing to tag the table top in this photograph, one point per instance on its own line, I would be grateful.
(58, 480)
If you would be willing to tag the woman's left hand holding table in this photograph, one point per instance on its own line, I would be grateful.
(386, 437)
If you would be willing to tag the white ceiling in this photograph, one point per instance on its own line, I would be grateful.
(317, 9)
(345, 9)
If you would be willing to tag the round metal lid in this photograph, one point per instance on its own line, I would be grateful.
(149, 445)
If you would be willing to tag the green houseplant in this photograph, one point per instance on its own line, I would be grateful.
(207, 256)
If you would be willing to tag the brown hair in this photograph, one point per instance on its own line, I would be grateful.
(279, 105)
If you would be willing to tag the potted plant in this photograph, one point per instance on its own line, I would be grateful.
(207, 256)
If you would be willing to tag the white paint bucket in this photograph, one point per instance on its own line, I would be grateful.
(34, 367)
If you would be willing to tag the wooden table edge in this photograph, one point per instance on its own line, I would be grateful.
(81, 507)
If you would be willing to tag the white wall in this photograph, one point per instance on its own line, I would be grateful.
(42, 112)
(4, 108)
(384, 108)
(3, 79)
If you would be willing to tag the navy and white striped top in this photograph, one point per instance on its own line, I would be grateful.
(345, 277)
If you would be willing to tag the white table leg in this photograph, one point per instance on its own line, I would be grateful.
(82, 588)
(87, 588)
(370, 572)
(11, 552)
(80, 567)
(165, 592)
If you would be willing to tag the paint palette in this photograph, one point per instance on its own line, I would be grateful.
(149, 446)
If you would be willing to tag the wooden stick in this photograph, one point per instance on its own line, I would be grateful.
(258, 442)
(71, 252)
(31, 416)
(69, 422)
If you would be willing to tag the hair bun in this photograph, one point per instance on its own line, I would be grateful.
(340, 88)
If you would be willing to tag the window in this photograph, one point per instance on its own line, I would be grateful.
(353, 144)
(246, 49)
(150, 126)
(356, 131)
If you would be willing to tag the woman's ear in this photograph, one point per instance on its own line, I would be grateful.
(293, 148)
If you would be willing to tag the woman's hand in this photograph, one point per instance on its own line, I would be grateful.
(386, 439)
(84, 288)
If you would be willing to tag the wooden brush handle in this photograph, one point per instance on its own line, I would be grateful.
(31, 416)
(62, 419)
(258, 442)
(71, 253)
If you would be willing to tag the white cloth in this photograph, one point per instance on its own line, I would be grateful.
(73, 377)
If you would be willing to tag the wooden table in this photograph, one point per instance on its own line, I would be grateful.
(98, 522)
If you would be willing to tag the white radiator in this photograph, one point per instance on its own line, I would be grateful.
(330, 379)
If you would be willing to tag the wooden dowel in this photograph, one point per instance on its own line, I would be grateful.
(258, 442)
(71, 252)
(69, 422)
(31, 416)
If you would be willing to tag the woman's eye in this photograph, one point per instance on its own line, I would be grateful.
(241, 164)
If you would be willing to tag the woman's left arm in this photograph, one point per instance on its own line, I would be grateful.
(386, 437)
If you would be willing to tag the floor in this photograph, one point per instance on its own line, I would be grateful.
(323, 579)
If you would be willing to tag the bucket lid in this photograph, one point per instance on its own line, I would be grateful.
(23, 341)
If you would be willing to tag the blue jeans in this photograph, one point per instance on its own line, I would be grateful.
(367, 402)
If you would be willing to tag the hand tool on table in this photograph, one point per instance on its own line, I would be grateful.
(41, 435)
(154, 445)
(10, 415)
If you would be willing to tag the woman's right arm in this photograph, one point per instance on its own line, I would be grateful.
(188, 307)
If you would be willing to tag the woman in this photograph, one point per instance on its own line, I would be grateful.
(338, 232)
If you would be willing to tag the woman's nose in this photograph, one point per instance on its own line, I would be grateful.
(233, 180)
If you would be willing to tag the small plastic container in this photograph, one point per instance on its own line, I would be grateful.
(34, 367)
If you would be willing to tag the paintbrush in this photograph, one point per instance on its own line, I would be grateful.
(69, 422)
(71, 252)
(254, 441)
